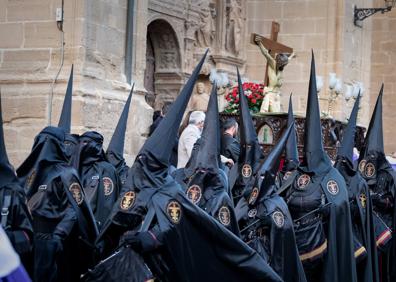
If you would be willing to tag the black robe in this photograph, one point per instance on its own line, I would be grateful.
(62, 220)
(209, 191)
(192, 247)
(99, 178)
(119, 163)
(18, 222)
(381, 179)
(339, 261)
(362, 222)
(267, 226)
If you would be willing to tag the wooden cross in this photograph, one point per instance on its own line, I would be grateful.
(272, 45)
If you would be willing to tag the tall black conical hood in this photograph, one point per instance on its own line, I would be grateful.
(116, 145)
(207, 155)
(291, 160)
(315, 158)
(272, 161)
(7, 174)
(268, 171)
(159, 145)
(65, 118)
(348, 141)
(374, 141)
(250, 148)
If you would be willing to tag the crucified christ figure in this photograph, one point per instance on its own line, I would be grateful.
(271, 102)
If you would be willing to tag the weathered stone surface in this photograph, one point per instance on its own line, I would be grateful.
(25, 60)
(29, 10)
(14, 29)
(42, 35)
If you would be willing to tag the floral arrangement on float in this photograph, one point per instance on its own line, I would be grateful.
(254, 93)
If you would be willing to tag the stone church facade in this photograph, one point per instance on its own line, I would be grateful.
(156, 44)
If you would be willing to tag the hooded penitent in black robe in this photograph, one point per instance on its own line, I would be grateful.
(202, 180)
(115, 150)
(242, 175)
(291, 159)
(71, 140)
(381, 179)
(263, 216)
(360, 204)
(182, 242)
(15, 217)
(58, 207)
(318, 202)
(99, 177)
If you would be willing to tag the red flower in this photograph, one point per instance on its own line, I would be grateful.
(234, 94)
(254, 101)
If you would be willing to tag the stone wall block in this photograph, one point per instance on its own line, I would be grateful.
(25, 60)
(29, 10)
(8, 29)
(42, 35)
(25, 107)
(3, 10)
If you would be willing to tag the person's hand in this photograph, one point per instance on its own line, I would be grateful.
(230, 162)
(226, 161)
(257, 39)
(58, 243)
(132, 239)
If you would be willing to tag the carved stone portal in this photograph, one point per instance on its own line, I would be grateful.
(163, 75)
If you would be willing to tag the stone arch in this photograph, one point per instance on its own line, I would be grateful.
(163, 74)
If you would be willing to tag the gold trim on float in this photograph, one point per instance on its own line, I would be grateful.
(315, 252)
(360, 251)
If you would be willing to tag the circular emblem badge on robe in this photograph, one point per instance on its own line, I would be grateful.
(127, 200)
(369, 171)
(278, 218)
(362, 165)
(303, 181)
(194, 193)
(252, 213)
(224, 216)
(287, 175)
(108, 186)
(174, 211)
(332, 187)
(363, 200)
(31, 178)
(76, 192)
(253, 196)
(246, 170)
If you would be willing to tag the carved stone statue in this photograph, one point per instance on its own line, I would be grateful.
(234, 27)
(221, 94)
(271, 101)
(200, 100)
(206, 31)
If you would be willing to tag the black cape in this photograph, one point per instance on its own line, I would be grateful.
(193, 245)
(362, 220)
(15, 217)
(265, 221)
(57, 202)
(211, 194)
(99, 177)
